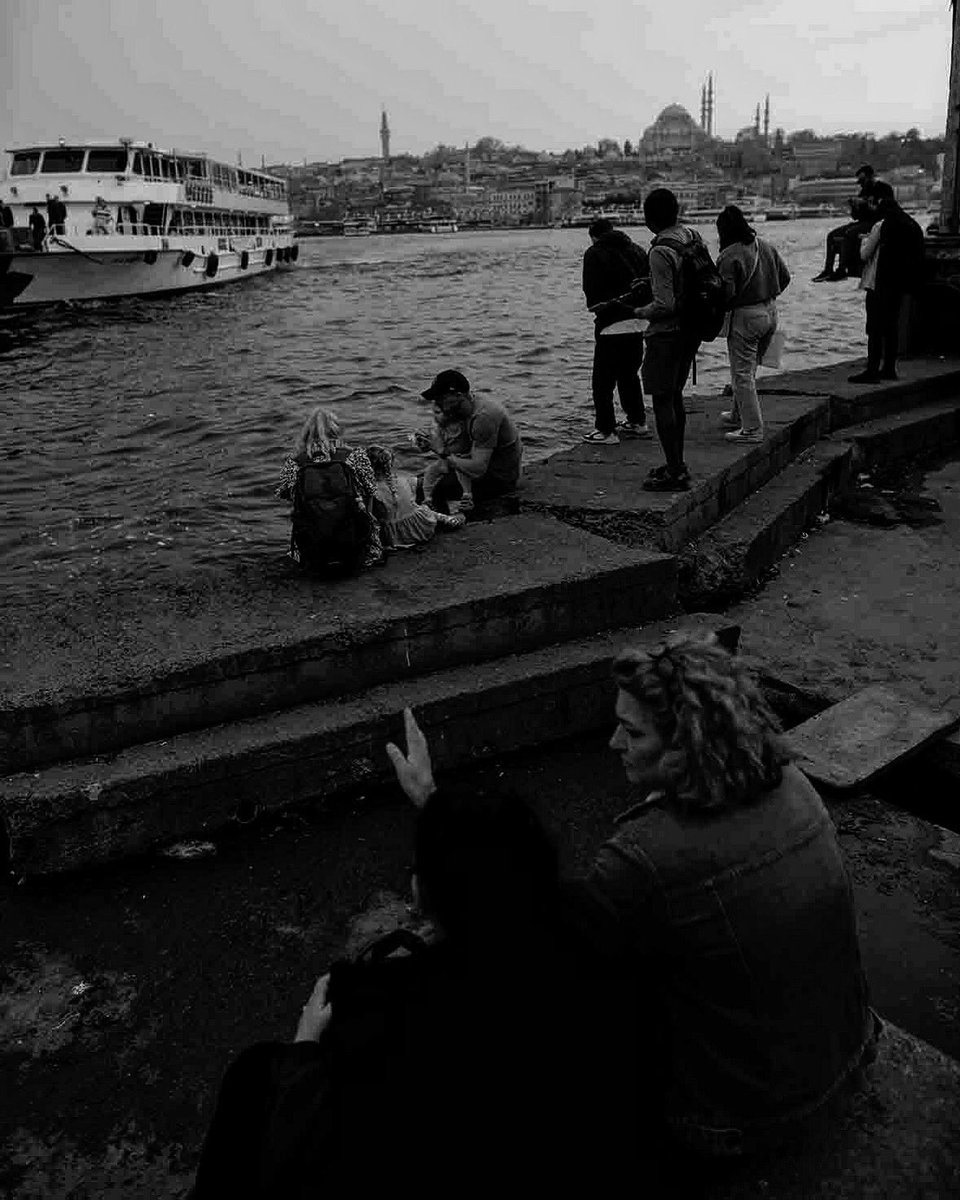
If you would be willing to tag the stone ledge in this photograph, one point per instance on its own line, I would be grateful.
(77, 813)
(900, 1138)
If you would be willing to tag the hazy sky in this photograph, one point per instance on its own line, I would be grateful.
(306, 78)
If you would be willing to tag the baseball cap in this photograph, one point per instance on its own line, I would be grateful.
(447, 381)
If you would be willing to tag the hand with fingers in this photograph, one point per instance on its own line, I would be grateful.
(316, 1013)
(414, 770)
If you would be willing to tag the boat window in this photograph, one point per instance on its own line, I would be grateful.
(137, 164)
(25, 163)
(62, 162)
(112, 161)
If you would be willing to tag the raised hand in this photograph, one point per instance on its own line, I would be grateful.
(414, 770)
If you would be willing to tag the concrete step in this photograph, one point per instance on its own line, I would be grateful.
(903, 435)
(921, 381)
(727, 560)
(599, 488)
(851, 744)
(215, 652)
(897, 1138)
(72, 814)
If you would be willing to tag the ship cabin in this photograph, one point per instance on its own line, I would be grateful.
(134, 188)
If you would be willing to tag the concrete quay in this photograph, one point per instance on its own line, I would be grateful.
(134, 718)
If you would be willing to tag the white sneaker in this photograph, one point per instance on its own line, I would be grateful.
(602, 439)
(745, 435)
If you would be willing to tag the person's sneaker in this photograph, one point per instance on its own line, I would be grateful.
(823, 277)
(744, 435)
(864, 377)
(728, 418)
(602, 439)
(633, 429)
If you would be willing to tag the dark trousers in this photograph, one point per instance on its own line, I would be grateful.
(883, 323)
(616, 363)
(671, 421)
(843, 247)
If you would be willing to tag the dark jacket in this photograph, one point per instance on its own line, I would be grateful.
(900, 254)
(745, 922)
(610, 266)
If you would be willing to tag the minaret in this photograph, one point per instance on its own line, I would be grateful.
(703, 109)
(466, 165)
(384, 137)
(756, 122)
(710, 104)
(766, 121)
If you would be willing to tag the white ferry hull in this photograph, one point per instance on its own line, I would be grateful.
(111, 267)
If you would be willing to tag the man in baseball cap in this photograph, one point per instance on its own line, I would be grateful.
(493, 462)
(447, 382)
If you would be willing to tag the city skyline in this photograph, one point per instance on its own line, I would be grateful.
(309, 80)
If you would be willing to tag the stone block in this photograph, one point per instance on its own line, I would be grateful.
(851, 743)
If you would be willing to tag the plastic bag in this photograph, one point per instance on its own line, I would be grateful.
(773, 355)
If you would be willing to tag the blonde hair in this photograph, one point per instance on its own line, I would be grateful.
(320, 434)
(381, 460)
(722, 741)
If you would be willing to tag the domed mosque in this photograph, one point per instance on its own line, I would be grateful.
(675, 133)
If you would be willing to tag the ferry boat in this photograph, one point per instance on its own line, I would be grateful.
(139, 221)
(359, 227)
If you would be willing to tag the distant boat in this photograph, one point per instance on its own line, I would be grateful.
(359, 227)
(783, 212)
(440, 227)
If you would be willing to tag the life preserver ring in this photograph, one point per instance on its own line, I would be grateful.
(294, 252)
(150, 257)
(187, 258)
(268, 258)
(244, 260)
(213, 261)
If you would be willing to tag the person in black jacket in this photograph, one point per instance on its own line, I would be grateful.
(844, 241)
(893, 268)
(446, 1064)
(613, 267)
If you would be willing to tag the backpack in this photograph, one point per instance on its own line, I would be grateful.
(702, 304)
(330, 527)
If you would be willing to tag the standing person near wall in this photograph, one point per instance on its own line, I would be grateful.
(753, 276)
(669, 346)
(38, 228)
(613, 266)
(893, 268)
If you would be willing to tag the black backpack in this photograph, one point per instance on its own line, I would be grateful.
(702, 302)
(330, 525)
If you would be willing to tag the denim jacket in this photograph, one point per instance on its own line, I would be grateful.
(745, 928)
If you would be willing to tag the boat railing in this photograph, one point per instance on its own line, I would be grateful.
(135, 229)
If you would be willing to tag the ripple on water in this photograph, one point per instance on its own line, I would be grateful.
(141, 436)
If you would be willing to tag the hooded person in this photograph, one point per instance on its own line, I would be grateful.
(615, 270)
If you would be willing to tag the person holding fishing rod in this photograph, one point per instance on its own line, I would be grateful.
(615, 282)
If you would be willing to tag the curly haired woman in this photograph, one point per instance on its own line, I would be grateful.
(728, 887)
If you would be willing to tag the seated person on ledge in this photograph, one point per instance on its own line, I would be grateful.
(843, 243)
(495, 451)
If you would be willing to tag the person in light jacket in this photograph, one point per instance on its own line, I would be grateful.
(753, 275)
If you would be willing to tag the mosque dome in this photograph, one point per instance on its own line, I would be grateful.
(673, 132)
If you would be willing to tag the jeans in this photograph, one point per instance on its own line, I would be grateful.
(616, 361)
(751, 329)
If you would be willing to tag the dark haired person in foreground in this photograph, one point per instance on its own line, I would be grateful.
(449, 1063)
(843, 243)
(613, 267)
(893, 258)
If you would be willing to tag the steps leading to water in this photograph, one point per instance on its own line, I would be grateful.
(175, 711)
(75, 813)
(491, 590)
